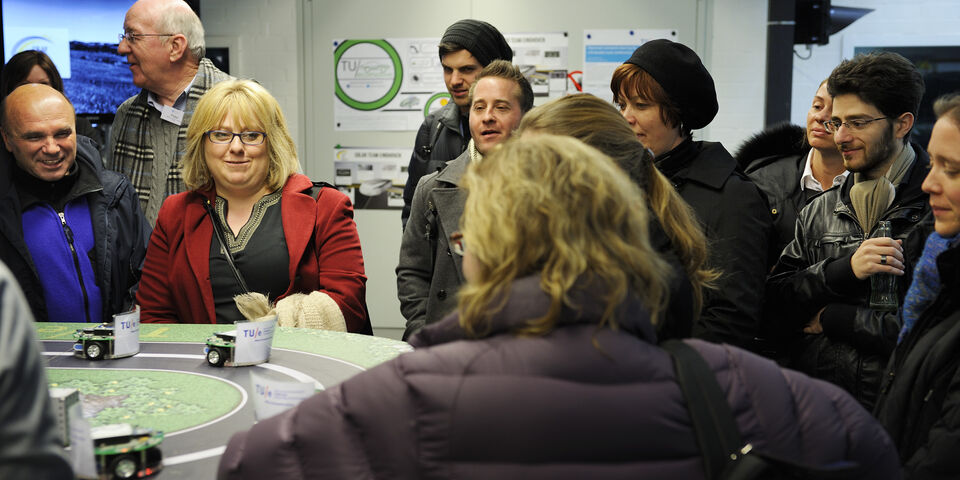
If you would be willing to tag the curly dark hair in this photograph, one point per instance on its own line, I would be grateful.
(885, 80)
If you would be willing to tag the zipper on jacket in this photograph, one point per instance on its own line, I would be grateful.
(76, 265)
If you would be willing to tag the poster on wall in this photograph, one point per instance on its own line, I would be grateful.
(386, 84)
(543, 59)
(606, 49)
(390, 84)
(373, 178)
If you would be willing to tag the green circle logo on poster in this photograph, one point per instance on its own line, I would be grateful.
(436, 102)
(368, 73)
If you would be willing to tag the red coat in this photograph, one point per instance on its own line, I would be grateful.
(321, 238)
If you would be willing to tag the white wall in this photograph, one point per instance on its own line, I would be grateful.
(265, 45)
(898, 22)
(737, 59)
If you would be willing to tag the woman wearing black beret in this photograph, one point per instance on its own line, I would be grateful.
(665, 93)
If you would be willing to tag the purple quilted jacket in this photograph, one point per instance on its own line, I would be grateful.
(580, 402)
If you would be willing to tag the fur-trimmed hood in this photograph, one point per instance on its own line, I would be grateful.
(781, 140)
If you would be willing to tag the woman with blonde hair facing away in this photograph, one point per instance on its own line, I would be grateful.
(548, 368)
(246, 198)
(674, 230)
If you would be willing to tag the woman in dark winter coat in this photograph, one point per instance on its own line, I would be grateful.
(665, 92)
(920, 398)
(549, 369)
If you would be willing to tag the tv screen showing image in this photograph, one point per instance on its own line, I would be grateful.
(81, 37)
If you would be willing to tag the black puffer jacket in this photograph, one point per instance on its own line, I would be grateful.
(774, 159)
(814, 273)
(439, 140)
(920, 400)
(734, 216)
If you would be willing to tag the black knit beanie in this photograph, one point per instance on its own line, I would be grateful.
(479, 38)
(682, 75)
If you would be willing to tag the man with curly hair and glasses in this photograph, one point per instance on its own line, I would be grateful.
(819, 292)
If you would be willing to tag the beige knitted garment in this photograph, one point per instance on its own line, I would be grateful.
(316, 310)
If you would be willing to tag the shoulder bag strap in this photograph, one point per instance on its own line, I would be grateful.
(221, 237)
(713, 423)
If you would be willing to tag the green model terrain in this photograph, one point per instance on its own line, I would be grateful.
(165, 401)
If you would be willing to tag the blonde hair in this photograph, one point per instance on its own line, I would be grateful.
(557, 208)
(253, 108)
(598, 124)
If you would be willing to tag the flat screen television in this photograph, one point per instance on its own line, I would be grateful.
(81, 38)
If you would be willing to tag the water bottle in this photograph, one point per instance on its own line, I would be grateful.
(883, 286)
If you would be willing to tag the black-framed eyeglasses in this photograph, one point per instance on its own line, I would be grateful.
(248, 138)
(456, 243)
(831, 126)
(132, 37)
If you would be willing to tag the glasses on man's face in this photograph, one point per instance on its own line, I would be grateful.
(831, 126)
(456, 243)
(248, 138)
(132, 37)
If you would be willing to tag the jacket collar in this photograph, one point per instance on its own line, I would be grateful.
(449, 116)
(712, 166)
(455, 169)
(706, 163)
(87, 166)
(526, 300)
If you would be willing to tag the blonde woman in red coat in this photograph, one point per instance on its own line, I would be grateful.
(245, 192)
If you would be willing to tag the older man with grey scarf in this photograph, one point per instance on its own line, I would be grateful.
(163, 41)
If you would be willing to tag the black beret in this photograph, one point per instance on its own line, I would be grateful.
(682, 75)
(481, 39)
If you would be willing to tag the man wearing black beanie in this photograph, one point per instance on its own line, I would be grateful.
(465, 48)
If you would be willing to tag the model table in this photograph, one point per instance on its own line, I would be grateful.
(169, 386)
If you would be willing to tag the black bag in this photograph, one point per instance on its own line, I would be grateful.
(725, 456)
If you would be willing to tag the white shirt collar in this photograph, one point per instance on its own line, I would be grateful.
(180, 104)
(808, 182)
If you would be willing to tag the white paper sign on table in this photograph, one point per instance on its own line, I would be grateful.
(254, 340)
(271, 397)
(126, 328)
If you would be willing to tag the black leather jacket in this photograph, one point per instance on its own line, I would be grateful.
(814, 273)
(920, 400)
(439, 140)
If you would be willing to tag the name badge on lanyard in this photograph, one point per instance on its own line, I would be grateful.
(171, 115)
